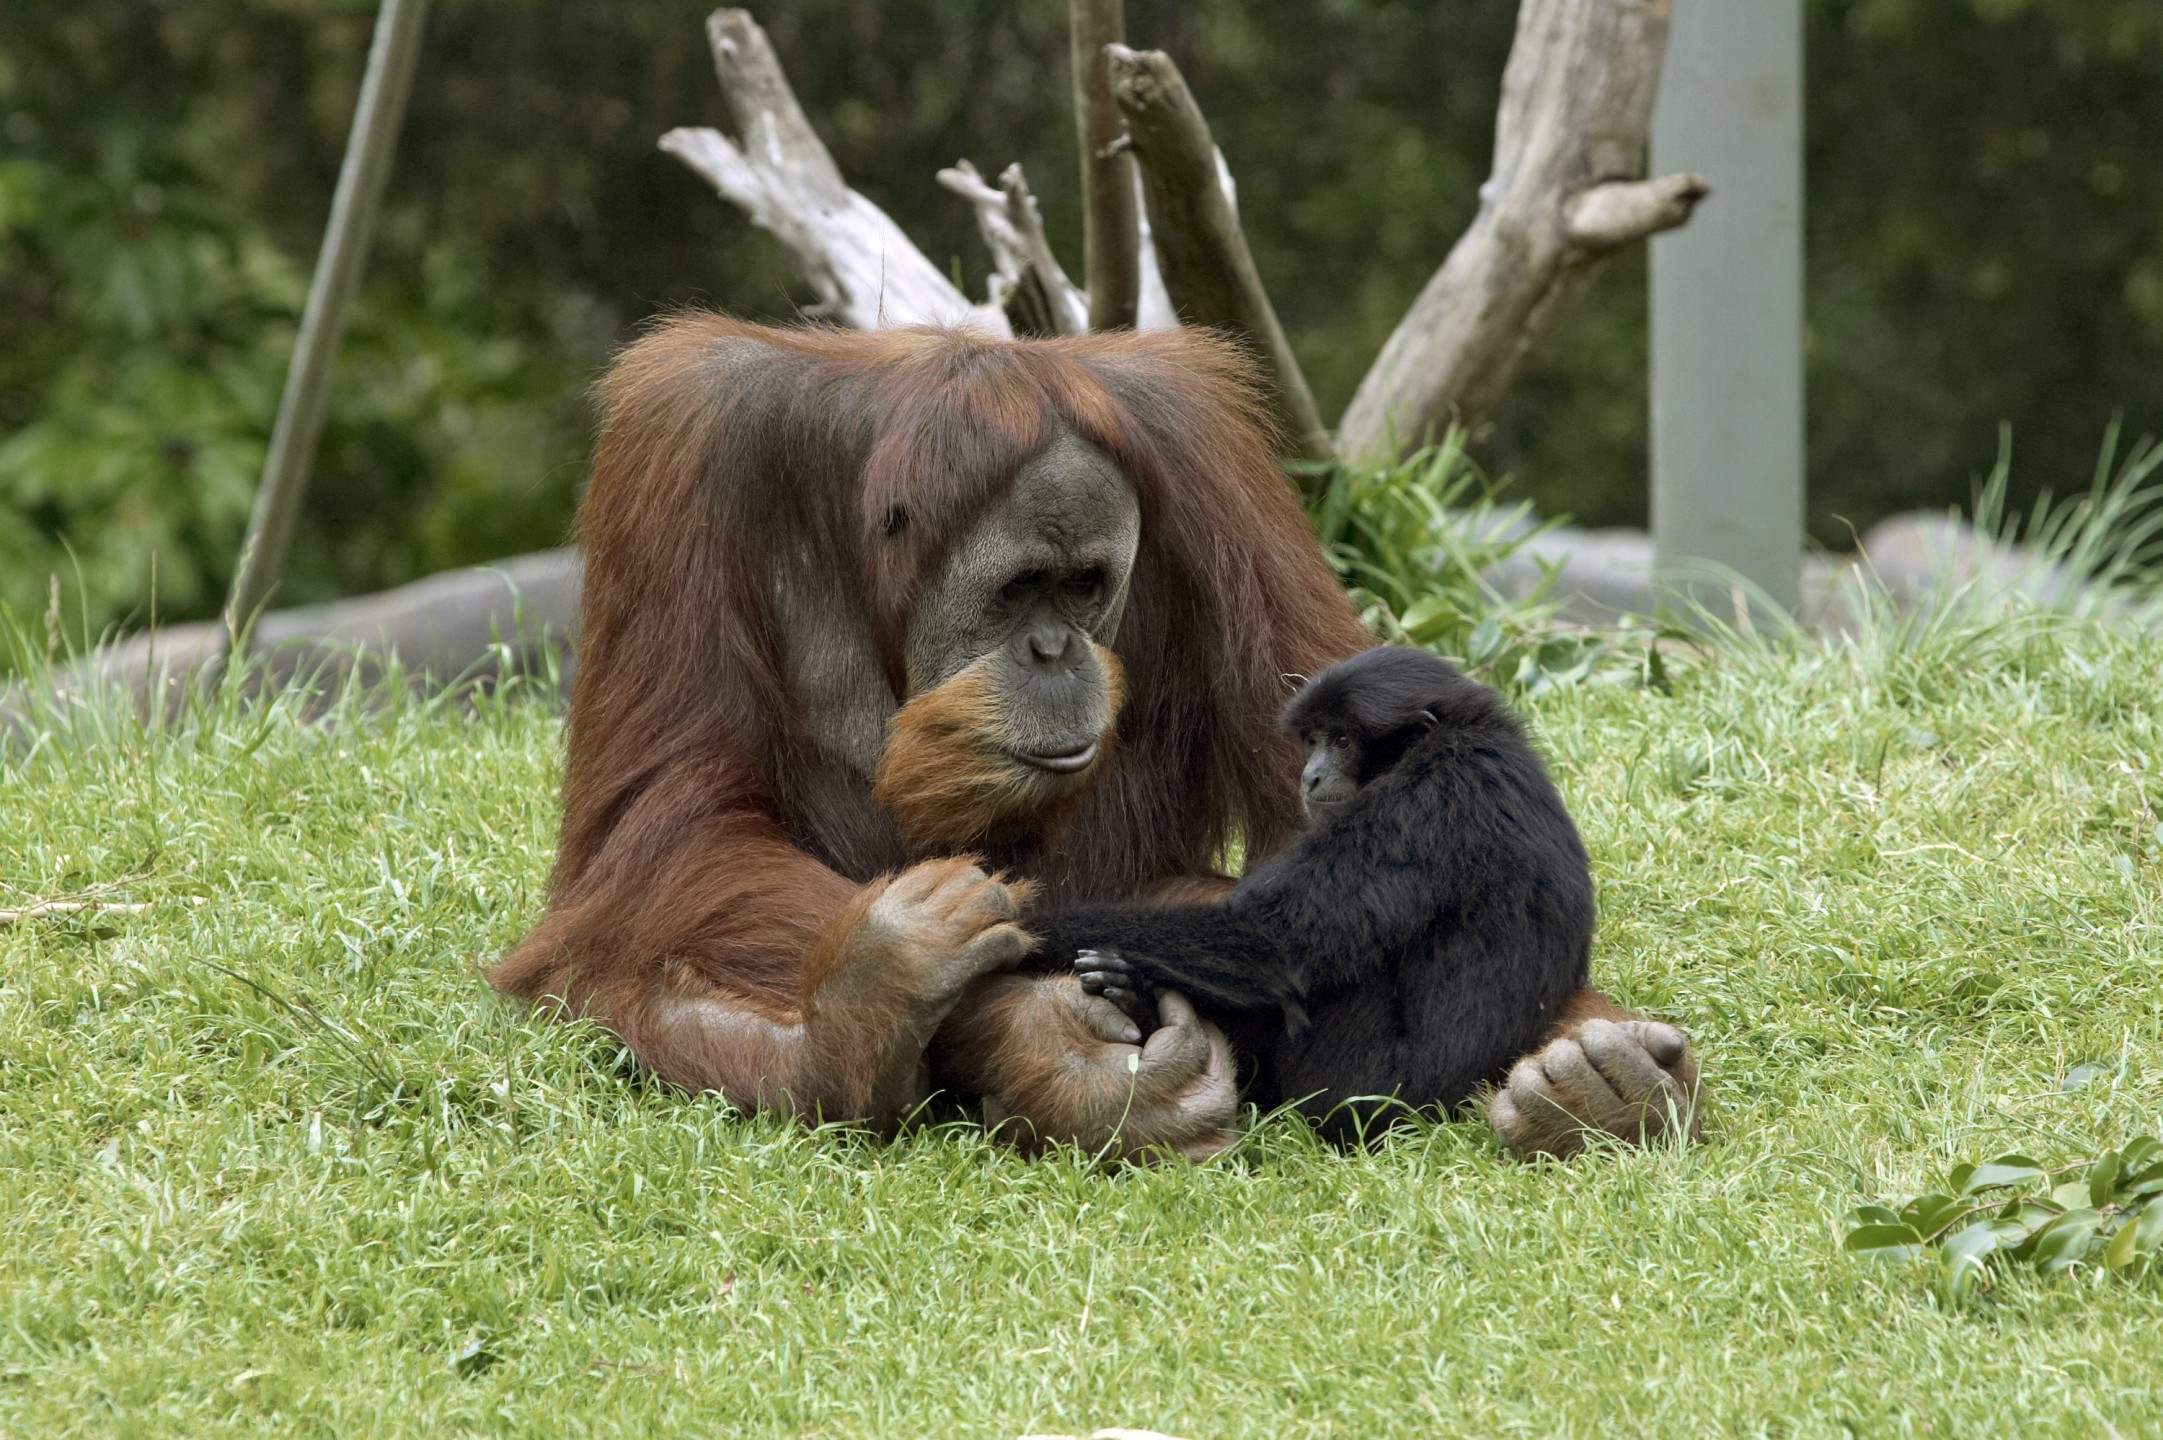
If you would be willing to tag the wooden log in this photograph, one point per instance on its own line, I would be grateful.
(1194, 226)
(1566, 191)
(518, 616)
(865, 271)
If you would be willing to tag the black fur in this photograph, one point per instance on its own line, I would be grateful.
(1420, 936)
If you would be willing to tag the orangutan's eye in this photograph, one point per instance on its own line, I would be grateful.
(1021, 587)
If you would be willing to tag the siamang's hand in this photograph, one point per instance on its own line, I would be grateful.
(1106, 973)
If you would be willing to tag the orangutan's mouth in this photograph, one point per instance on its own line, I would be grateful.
(1061, 762)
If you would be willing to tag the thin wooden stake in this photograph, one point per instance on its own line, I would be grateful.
(376, 121)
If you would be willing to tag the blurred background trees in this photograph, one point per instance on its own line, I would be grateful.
(1985, 244)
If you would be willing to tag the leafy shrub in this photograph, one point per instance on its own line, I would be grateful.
(2013, 1211)
(1412, 540)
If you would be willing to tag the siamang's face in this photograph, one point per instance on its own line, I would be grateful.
(1342, 758)
(1023, 597)
(1335, 770)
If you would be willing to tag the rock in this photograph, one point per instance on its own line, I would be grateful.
(1924, 552)
(1600, 575)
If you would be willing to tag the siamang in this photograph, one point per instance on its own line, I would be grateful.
(1422, 933)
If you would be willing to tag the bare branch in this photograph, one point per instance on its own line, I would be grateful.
(1194, 226)
(1027, 281)
(1111, 234)
(1155, 311)
(1615, 214)
(53, 909)
(1570, 139)
(865, 270)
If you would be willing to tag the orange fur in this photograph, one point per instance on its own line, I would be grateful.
(948, 775)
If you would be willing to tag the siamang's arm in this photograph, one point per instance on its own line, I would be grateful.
(1213, 954)
(1351, 902)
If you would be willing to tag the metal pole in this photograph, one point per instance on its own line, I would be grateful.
(1727, 380)
(293, 439)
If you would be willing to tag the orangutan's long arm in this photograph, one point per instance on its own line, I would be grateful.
(739, 964)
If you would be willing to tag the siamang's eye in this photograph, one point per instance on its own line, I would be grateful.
(1021, 587)
(1340, 742)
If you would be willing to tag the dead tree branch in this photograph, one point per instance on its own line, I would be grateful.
(1566, 190)
(865, 270)
(1027, 281)
(1111, 233)
(1194, 226)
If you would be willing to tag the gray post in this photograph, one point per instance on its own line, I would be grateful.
(1727, 382)
(299, 426)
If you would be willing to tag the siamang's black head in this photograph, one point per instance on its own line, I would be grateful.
(1360, 716)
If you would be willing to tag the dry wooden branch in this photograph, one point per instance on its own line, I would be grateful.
(1111, 233)
(1194, 227)
(1027, 282)
(50, 909)
(865, 270)
(1570, 139)
(1617, 213)
(1155, 311)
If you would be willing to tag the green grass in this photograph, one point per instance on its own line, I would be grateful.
(1895, 891)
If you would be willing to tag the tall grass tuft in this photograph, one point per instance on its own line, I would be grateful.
(1413, 540)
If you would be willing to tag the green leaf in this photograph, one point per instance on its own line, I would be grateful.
(2005, 1170)
(2072, 1194)
(474, 1358)
(1884, 1242)
(1427, 619)
(1877, 1215)
(1957, 1179)
(2015, 1231)
(2102, 1179)
(1961, 1276)
(2081, 1076)
(2123, 1250)
(1433, 606)
(2138, 1152)
(2065, 1244)
(2150, 1226)
(1485, 641)
(1973, 1241)
(1928, 1214)
(2144, 1182)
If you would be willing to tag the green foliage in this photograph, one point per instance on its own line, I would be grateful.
(153, 258)
(1413, 539)
(1418, 533)
(2012, 1211)
(2108, 541)
(1985, 243)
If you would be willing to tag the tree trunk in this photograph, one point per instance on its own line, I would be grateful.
(1565, 192)
(1111, 236)
(1194, 226)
